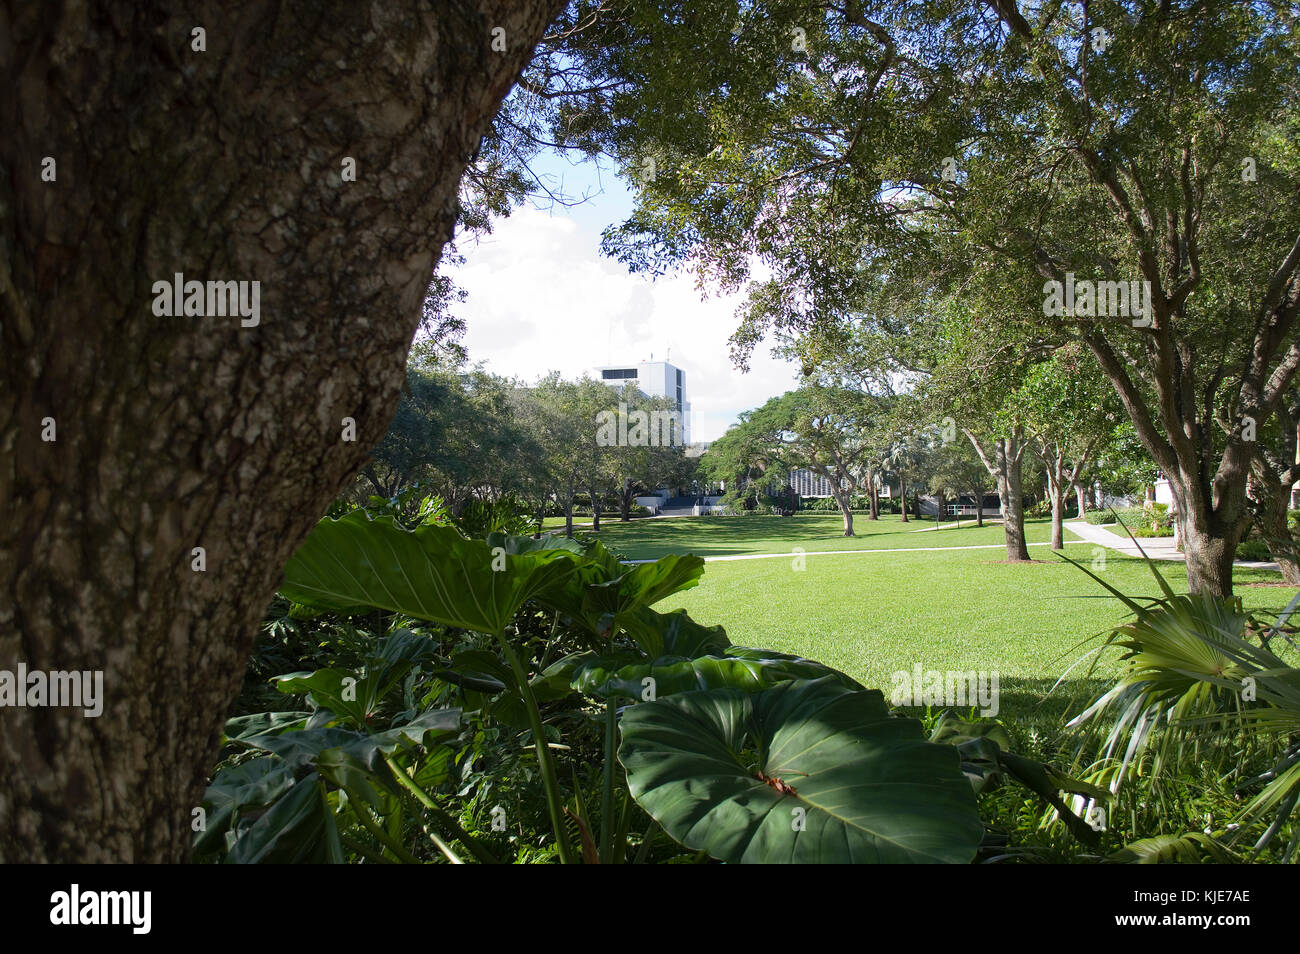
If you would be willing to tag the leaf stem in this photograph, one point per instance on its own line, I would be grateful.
(554, 804)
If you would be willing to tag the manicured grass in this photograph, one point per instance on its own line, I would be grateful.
(557, 523)
(553, 523)
(731, 536)
(873, 614)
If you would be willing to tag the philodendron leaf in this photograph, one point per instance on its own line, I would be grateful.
(806, 772)
(673, 634)
(301, 749)
(602, 594)
(431, 573)
(254, 784)
(291, 832)
(647, 583)
(263, 723)
(626, 676)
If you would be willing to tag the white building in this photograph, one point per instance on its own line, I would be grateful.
(808, 484)
(653, 379)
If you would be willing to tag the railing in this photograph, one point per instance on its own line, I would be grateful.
(964, 510)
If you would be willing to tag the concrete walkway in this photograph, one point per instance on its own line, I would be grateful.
(965, 523)
(1157, 548)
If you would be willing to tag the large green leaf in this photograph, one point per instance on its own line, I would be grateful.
(603, 595)
(249, 786)
(673, 634)
(803, 772)
(356, 696)
(626, 674)
(301, 749)
(291, 832)
(431, 573)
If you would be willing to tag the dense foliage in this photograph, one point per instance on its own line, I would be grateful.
(406, 672)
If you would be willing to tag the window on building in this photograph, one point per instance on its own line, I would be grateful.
(618, 374)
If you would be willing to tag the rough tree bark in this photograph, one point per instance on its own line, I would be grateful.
(1004, 465)
(1272, 477)
(173, 433)
(844, 500)
(1208, 485)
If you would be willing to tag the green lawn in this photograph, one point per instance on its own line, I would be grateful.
(731, 536)
(871, 614)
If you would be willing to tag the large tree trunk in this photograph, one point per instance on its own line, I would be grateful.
(567, 497)
(1058, 519)
(902, 496)
(1272, 498)
(1209, 556)
(1057, 486)
(1004, 466)
(174, 433)
(845, 501)
(873, 495)
(1210, 530)
(1079, 499)
(595, 511)
(1012, 499)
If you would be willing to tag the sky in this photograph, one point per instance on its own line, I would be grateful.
(542, 298)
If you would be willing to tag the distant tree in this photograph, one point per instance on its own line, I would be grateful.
(826, 429)
(1066, 403)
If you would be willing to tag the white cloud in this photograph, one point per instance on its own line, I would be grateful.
(542, 298)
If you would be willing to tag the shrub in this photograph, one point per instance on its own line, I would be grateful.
(1253, 549)
(1134, 518)
(1152, 531)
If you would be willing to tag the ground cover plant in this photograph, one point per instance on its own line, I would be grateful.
(431, 663)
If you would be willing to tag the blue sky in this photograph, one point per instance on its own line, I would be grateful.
(543, 298)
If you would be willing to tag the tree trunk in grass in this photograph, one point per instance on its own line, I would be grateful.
(1079, 498)
(129, 439)
(844, 500)
(1003, 463)
(1272, 496)
(568, 512)
(1057, 484)
(873, 495)
(902, 496)
(595, 510)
